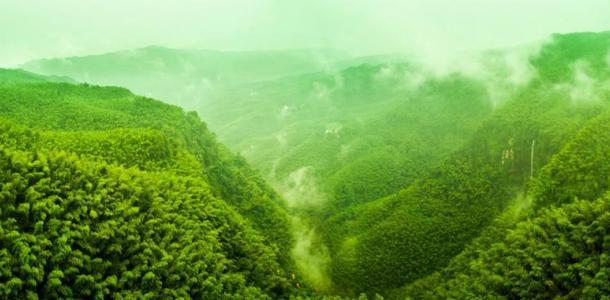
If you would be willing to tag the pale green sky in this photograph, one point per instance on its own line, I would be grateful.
(46, 28)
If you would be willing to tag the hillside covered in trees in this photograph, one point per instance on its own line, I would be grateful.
(372, 177)
(108, 194)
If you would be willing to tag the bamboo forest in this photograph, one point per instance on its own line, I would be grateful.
(322, 149)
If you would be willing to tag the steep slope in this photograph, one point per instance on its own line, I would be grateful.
(346, 137)
(369, 135)
(73, 108)
(412, 184)
(574, 172)
(403, 237)
(559, 253)
(104, 192)
(286, 126)
(580, 170)
(374, 157)
(71, 228)
(248, 122)
(335, 132)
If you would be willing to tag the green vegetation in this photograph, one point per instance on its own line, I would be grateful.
(391, 179)
(534, 251)
(580, 170)
(560, 253)
(516, 257)
(104, 118)
(108, 193)
(72, 228)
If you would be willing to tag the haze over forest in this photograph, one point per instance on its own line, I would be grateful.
(267, 149)
(42, 29)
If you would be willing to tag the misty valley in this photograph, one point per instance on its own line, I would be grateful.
(162, 172)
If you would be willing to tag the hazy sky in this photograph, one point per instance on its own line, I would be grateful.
(47, 28)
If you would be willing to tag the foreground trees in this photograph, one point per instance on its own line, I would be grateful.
(73, 228)
(106, 194)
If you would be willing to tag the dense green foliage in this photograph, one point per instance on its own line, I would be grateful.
(434, 285)
(92, 114)
(556, 60)
(450, 206)
(108, 194)
(398, 181)
(580, 171)
(467, 274)
(562, 253)
(72, 228)
(537, 252)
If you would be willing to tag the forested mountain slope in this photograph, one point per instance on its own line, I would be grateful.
(553, 246)
(423, 226)
(76, 110)
(431, 221)
(544, 245)
(108, 193)
(397, 180)
(266, 115)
